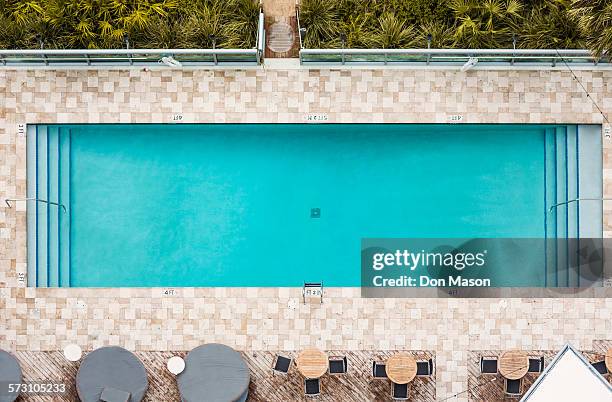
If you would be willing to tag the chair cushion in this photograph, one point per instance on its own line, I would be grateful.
(400, 390)
(380, 370)
(601, 367)
(423, 368)
(336, 366)
(489, 366)
(312, 386)
(282, 364)
(535, 365)
(114, 395)
(513, 386)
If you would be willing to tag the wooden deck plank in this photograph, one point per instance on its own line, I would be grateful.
(356, 385)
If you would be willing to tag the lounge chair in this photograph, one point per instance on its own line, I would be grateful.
(400, 392)
(312, 387)
(600, 367)
(536, 365)
(425, 368)
(10, 373)
(488, 365)
(514, 388)
(379, 370)
(338, 365)
(111, 374)
(282, 364)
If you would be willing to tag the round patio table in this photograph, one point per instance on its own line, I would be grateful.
(513, 364)
(401, 368)
(312, 363)
(215, 373)
(10, 373)
(111, 368)
(609, 360)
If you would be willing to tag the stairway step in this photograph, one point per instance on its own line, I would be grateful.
(31, 206)
(590, 213)
(550, 198)
(54, 211)
(42, 210)
(64, 218)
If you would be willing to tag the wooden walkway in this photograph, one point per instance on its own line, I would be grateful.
(356, 385)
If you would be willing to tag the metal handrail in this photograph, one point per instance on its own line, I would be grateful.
(299, 27)
(427, 56)
(454, 51)
(109, 58)
(261, 37)
(577, 200)
(106, 52)
(9, 200)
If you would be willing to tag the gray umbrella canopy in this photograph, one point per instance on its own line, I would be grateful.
(10, 373)
(214, 373)
(111, 368)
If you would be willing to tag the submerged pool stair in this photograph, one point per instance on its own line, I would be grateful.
(48, 150)
(572, 171)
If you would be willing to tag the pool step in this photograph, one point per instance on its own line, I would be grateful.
(49, 225)
(570, 173)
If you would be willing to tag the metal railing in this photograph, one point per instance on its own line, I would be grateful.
(173, 58)
(9, 200)
(552, 207)
(451, 57)
(261, 38)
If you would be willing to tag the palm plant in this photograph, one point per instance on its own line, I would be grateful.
(357, 33)
(595, 22)
(241, 28)
(162, 33)
(105, 23)
(14, 35)
(321, 20)
(393, 33)
(549, 25)
(440, 33)
(485, 24)
(206, 26)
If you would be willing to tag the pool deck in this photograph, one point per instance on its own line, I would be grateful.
(269, 319)
(356, 385)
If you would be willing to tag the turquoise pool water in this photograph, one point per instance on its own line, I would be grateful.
(235, 204)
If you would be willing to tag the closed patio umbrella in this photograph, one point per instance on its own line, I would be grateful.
(215, 373)
(10, 373)
(112, 374)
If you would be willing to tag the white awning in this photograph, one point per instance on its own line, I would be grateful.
(569, 377)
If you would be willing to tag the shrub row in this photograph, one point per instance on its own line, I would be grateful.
(26, 24)
(469, 24)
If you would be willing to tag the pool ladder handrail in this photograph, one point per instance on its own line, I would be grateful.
(9, 200)
(577, 200)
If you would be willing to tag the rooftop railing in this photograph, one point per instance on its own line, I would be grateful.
(451, 57)
(137, 57)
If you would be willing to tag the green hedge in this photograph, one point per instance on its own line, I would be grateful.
(563, 24)
(25, 24)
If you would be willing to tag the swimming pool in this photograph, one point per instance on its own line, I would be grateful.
(279, 204)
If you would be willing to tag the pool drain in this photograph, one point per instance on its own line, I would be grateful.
(315, 212)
